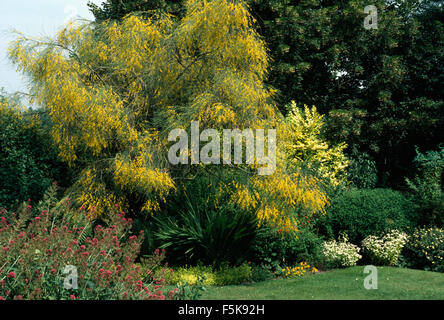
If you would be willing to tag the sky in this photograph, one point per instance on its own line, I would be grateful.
(34, 18)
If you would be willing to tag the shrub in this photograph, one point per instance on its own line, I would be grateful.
(155, 267)
(427, 188)
(37, 248)
(233, 275)
(385, 250)
(28, 160)
(425, 250)
(260, 273)
(365, 212)
(147, 225)
(362, 171)
(273, 249)
(340, 253)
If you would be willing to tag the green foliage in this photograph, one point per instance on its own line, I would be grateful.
(379, 86)
(425, 250)
(260, 273)
(233, 275)
(191, 275)
(362, 171)
(273, 249)
(388, 98)
(147, 225)
(365, 212)
(427, 187)
(28, 161)
(186, 291)
(117, 9)
(203, 232)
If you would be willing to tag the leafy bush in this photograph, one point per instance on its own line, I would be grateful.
(37, 248)
(425, 250)
(28, 161)
(365, 212)
(427, 187)
(260, 273)
(147, 225)
(233, 275)
(385, 250)
(274, 249)
(340, 253)
(207, 235)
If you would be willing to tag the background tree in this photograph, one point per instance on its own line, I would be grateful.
(28, 160)
(381, 88)
(427, 187)
(117, 9)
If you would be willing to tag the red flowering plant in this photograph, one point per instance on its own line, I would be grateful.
(60, 254)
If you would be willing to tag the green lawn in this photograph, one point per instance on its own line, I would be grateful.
(343, 284)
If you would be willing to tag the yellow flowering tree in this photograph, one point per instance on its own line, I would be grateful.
(114, 91)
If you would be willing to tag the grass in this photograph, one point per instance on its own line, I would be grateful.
(340, 284)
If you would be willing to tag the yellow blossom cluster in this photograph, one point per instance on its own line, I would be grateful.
(275, 198)
(299, 270)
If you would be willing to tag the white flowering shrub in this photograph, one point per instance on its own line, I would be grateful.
(340, 253)
(425, 250)
(385, 250)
